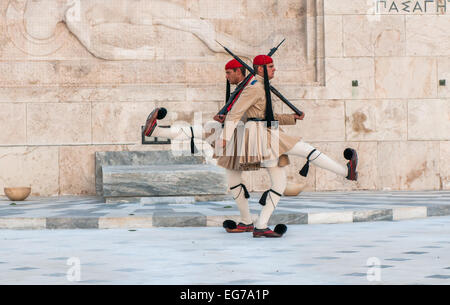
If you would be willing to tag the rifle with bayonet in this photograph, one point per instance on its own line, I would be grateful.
(227, 107)
(274, 91)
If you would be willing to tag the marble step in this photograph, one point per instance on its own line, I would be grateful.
(163, 180)
(111, 158)
(168, 199)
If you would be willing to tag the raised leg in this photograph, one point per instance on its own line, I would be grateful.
(317, 158)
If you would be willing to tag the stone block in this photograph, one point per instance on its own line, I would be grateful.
(324, 120)
(341, 72)
(77, 168)
(119, 123)
(34, 94)
(187, 220)
(30, 166)
(409, 213)
(330, 217)
(28, 73)
(204, 73)
(163, 180)
(444, 165)
(333, 36)
(443, 67)
(428, 35)
(405, 77)
(297, 219)
(429, 119)
(131, 222)
(123, 93)
(376, 120)
(383, 36)
(58, 123)
(201, 93)
(72, 223)
(372, 215)
(348, 7)
(137, 158)
(408, 165)
(13, 124)
(23, 223)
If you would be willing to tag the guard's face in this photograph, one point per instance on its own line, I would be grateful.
(232, 76)
(270, 70)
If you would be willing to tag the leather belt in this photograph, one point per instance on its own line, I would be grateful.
(273, 125)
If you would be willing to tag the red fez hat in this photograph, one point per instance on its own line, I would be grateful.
(232, 64)
(261, 60)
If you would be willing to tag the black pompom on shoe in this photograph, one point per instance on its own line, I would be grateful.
(162, 113)
(229, 224)
(280, 229)
(349, 153)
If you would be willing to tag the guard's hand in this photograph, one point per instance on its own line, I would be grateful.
(299, 117)
(220, 118)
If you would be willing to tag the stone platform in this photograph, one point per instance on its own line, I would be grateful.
(307, 208)
(163, 180)
(157, 176)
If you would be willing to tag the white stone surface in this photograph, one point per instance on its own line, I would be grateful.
(409, 213)
(405, 253)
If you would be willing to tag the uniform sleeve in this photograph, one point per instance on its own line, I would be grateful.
(245, 101)
(285, 119)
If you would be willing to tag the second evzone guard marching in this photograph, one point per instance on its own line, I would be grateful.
(251, 139)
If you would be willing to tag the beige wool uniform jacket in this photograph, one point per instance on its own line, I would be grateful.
(251, 145)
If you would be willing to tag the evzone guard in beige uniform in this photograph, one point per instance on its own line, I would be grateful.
(261, 143)
(247, 144)
(235, 75)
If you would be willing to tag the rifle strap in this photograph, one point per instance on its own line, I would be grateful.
(236, 94)
(269, 110)
(228, 92)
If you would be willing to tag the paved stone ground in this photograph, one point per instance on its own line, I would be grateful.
(406, 252)
(307, 208)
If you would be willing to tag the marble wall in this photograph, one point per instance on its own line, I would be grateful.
(69, 89)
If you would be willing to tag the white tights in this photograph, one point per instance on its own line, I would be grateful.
(176, 133)
(278, 180)
(235, 178)
(319, 159)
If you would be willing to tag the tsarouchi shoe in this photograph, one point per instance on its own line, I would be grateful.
(351, 155)
(231, 227)
(279, 231)
(150, 124)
